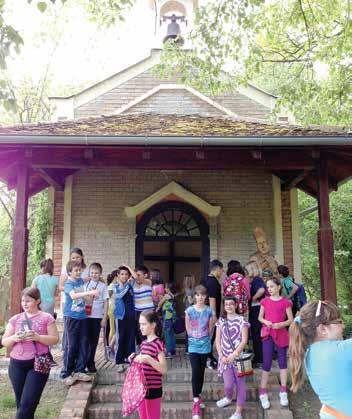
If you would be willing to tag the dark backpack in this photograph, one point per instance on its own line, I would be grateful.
(301, 295)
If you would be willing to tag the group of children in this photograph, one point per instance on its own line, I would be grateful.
(136, 307)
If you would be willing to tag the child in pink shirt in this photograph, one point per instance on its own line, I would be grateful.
(275, 315)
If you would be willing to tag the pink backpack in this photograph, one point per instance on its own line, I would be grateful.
(134, 389)
(234, 287)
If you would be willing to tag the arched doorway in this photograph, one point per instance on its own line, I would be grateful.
(174, 237)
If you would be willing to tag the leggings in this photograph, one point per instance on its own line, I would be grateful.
(268, 349)
(28, 386)
(230, 381)
(198, 362)
(150, 409)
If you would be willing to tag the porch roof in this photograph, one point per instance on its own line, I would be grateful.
(151, 124)
(53, 151)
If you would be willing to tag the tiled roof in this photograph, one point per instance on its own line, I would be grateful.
(151, 124)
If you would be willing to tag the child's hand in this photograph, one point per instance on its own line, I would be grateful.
(103, 323)
(268, 323)
(94, 293)
(131, 357)
(143, 359)
(32, 335)
(277, 326)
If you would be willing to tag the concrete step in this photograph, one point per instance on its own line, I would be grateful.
(171, 392)
(110, 375)
(177, 410)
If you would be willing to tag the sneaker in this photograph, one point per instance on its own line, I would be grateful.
(201, 403)
(283, 399)
(264, 400)
(120, 368)
(236, 416)
(81, 376)
(70, 380)
(196, 413)
(223, 402)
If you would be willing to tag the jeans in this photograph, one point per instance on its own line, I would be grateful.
(125, 338)
(256, 327)
(28, 386)
(198, 362)
(169, 333)
(268, 350)
(93, 338)
(76, 353)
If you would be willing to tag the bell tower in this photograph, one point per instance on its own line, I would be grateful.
(173, 20)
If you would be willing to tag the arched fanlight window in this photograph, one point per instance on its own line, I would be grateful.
(172, 223)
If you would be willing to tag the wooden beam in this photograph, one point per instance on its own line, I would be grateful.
(20, 240)
(286, 186)
(325, 236)
(52, 180)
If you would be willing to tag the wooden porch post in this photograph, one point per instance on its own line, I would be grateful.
(20, 240)
(325, 236)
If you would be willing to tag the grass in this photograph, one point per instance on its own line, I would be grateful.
(50, 404)
(304, 404)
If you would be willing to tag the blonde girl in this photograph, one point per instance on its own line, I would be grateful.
(317, 346)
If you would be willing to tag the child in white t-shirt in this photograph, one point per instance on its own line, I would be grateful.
(96, 310)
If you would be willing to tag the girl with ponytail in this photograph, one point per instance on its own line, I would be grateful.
(317, 347)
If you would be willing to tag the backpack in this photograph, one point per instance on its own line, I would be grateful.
(301, 295)
(234, 287)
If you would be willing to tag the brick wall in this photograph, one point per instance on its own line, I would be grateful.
(287, 229)
(101, 228)
(58, 230)
(109, 102)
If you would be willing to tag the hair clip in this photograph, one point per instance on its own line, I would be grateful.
(298, 320)
(317, 313)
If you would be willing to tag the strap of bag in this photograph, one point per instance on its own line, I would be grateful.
(30, 327)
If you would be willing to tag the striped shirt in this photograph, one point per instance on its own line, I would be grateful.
(152, 376)
(231, 336)
(143, 297)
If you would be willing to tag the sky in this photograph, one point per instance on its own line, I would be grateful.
(84, 53)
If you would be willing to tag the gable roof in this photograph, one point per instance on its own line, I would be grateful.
(106, 85)
(155, 125)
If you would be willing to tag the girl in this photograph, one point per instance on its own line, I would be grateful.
(231, 338)
(125, 317)
(200, 320)
(275, 315)
(47, 285)
(316, 342)
(237, 285)
(96, 310)
(27, 335)
(111, 281)
(152, 357)
(189, 282)
(158, 286)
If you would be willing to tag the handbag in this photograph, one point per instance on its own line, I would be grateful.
(244, 362)
(42, 362)
(134, 389)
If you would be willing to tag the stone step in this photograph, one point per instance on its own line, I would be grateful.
(110, 375)
(177, 410)
(171, 392)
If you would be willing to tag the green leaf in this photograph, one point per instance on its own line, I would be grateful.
(42, 6)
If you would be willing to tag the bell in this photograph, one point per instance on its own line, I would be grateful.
(174, 32)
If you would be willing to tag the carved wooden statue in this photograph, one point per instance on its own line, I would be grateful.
(262, 257)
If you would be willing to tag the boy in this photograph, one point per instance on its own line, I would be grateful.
(169, 318)
(75, 354)
(125, 319)
(213, 287)
(98, 311)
